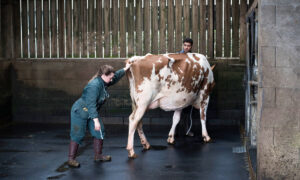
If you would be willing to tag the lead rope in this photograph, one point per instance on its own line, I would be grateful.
(101, 136)
(188, 131)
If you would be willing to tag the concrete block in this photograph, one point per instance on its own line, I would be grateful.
(267, 15)
(268, 2)
(287, 56)
(268, 57)
(267, 36)
(287, 97)
(288, 77)
(280, 117)
(288, 26)
(285, 2)
(269, 95)
(268, 77)
(265, 136)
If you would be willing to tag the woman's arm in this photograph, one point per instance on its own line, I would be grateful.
(119, 74)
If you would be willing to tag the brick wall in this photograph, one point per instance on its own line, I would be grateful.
(279, 90)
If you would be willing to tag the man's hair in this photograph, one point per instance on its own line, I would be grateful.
(188, 40)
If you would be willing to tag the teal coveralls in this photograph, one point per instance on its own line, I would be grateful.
(86, 108)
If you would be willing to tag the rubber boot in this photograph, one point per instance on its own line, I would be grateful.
(98, 145)
(72, 155)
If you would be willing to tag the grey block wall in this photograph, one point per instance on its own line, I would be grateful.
(278, 144)
(44, 90)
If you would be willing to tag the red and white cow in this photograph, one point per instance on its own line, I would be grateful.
(170, 82)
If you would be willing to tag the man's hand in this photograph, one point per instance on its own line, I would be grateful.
(127, 66)
(97, 124)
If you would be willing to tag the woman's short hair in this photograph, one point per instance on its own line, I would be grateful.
(106, 70)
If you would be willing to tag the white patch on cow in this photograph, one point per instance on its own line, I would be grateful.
(135, 58)
(171, 60)
(159, 60)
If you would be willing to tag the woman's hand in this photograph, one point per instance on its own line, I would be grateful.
(127, 66)
(97, 124)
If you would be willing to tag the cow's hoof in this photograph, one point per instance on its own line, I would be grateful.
(134, 156)
(146, 147)
(207, 139)
(171, 142)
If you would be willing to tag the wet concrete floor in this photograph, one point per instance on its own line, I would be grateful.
(40, 152)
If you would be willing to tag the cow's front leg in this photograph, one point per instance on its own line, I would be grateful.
(176, 119)
(203, 110)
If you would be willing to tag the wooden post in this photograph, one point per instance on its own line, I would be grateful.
(186, 19)
(243, 30)
(53, 29)
(16, 28)
(122, 29)
(202, 35)
(68, 25)
(235, 27)
(7, 29)
(39, 29)
(76, 28)
(195, 24)
(227, 28)
(170, 26)
(115, 27)
(31, 29)
(130, 27)
(139, 27)
(24, 29)
(178, 26)
(83, 22)
(91, 31)
(99, 22)
(154, 27)
(210, 42)
(46, 29)
(147, 27)
(219, 28)
(1, 35)
(162, 29)
(61, 27)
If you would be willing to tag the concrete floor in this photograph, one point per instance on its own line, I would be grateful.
(40, 152)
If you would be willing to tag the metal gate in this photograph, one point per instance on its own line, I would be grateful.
(251, 77)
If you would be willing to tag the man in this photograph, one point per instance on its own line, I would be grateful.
(186, 48)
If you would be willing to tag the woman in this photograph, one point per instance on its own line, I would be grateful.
(84, 112)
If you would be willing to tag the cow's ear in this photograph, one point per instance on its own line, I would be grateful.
(212, 68)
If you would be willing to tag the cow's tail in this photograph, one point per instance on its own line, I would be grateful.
(191, 122)
(131, 85)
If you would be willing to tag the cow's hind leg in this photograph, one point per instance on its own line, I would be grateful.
(203, 109)
(143, 138)
(176, 119)
(134, 119)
